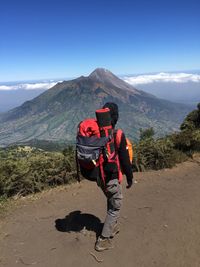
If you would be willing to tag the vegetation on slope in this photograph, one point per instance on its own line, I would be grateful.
(165, 152)
(25, 170)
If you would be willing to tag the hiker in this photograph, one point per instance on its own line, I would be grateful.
(102, 155)
(113, 189)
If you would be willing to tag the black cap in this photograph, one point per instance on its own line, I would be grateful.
(113, 112)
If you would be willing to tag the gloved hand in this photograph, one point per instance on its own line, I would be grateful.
(129, 184)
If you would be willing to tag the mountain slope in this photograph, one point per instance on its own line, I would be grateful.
(54, 115)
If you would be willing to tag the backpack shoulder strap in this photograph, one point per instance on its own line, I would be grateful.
(118, 136)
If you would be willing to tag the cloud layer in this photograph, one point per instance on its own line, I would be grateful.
(163, 77)
(28, 86)
(134, 80)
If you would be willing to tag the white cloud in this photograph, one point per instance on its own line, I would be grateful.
(163, 77)
(28, 86)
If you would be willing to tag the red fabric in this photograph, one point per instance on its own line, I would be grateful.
(89, 127)
(102, 110)
(120, 177)
(101, 161)
(118, 138)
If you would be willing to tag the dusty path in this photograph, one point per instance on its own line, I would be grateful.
(160, 224)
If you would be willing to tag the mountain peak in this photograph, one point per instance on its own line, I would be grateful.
(107, 77)
(101, 73)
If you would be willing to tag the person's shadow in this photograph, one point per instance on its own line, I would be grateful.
(76, 221)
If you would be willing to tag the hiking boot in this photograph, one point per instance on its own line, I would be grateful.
(103, 244)
(116, 230)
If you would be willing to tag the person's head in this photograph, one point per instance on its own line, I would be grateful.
(113, 112)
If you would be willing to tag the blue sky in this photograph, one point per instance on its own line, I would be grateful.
(57, 38)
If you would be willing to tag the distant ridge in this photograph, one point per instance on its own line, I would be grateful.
(54, 114)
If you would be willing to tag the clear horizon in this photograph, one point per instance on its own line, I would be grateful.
(47, 39)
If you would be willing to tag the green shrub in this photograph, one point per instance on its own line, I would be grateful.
(192, 120)
(187, 141)
(147, 133)
(172, 149)
(25, 170)
(153, 154)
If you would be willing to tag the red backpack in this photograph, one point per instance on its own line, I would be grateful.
(97, 149)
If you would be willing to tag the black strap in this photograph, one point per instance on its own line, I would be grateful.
(77, 169)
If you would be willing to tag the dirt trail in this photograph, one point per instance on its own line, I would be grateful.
(160, 224)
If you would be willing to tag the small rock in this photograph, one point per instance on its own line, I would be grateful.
(84, 231)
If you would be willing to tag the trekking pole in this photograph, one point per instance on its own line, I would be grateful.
(77, 169)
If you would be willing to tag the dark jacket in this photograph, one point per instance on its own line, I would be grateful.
(124, 159)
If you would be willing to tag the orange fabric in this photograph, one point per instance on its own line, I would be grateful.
(130, 149)
(129, 145)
